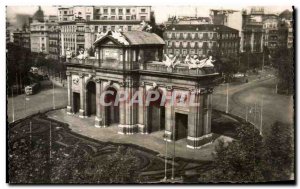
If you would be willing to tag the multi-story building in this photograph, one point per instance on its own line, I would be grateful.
(80, 24)
(286, 26)
(54, 43)
(40, 36)
(201, 39)
(22, 38)
(265, 30)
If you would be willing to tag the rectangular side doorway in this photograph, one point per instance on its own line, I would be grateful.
(181, 125)
(76, 102)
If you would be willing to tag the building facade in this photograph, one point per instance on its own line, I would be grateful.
(22, 38)
(134, 66)
(202, 40)
(80, 24)
(262, 30)
(39, 36)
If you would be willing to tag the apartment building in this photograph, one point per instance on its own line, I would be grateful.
(203, 39)
(79, 25)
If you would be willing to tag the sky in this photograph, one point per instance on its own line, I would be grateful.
(161, 12)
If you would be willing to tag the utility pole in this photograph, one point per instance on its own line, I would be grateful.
(53, 96)
(246, 113)
(13, 106)
(173, 162)
(50, 142)
(261, 117)
(255, 113)
(166, 160)
(30, 131)
(227, 99)
(263, 62)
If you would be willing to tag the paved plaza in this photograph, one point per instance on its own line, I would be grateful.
(153, 141)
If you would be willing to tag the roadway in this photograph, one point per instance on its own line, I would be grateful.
(42, 101)
(253, 99)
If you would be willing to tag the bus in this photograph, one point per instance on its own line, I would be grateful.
(32, 89)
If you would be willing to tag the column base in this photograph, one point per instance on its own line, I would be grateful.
(127, 129)
(199, 142)
(142, 129)
(82, 113)
(168, 136)
(69, 110)
(98, 122)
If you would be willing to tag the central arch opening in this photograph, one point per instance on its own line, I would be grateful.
(112, 111)
(91, 98)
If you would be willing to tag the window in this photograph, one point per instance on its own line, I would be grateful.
(121, 28)
(129, 28)
(104, 17)
(96, 28)
(97, 17)
(120, 18)
(127, 11)
(79, 13)
(143, 17)
(200, 35)
(104, 28)
(105, 11)
(120, 11)
(193, 35)
(113, 11)
(113, 18)
(127, 17)
(113, 28)
(143, 10)
(97, 11)
(88, 17)
(65, 12)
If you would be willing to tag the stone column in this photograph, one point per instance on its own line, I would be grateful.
(252, 41)
(70, 94)
(122, 105)
(128, 119)
(199, 121)
(103, 116)
(82, 97)
(141, 109)
(169, 115)
(98, 118)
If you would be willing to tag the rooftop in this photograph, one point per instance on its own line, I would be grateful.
(132, 38)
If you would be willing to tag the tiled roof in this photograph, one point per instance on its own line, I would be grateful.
(143, 38)
(133, 38)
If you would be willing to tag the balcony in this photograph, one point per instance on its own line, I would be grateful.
(154, 66)
(182, 69)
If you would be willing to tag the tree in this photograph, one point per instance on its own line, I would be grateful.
(240, 160)
(283, 60)
(279, 152)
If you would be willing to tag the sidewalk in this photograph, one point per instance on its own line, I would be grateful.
(153, 141)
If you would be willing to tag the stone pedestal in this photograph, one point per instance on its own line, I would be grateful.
(82, 113)
(199, 142)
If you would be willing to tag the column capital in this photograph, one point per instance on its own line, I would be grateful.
(194, 91)
(122, 83)
(98, 80)
(169, 87)
(142, 84)
(81, 75)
